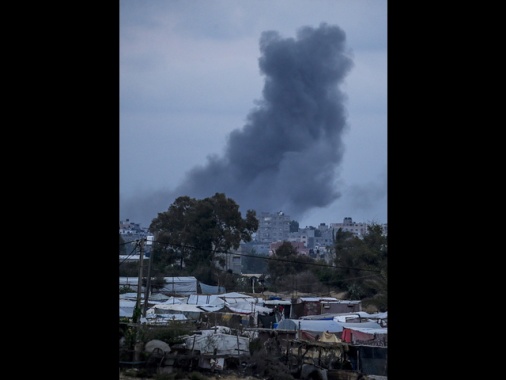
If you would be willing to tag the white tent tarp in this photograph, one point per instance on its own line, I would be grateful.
(224, 344)
(126, 308)
(322, 325)
(317, 326)
(190, 311)
(180, 285)
(173, 285)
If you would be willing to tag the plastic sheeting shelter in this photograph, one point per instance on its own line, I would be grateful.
(126, 308)
(317, 326)
(219, 344)
(322, 325)
(180, 285)
(364, 334)
(189, 311)
(173, 285)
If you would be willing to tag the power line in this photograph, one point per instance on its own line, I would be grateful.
(267, 258)
(131, 253)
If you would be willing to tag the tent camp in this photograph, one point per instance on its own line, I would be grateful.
(189, 311)
(364, 335)
(180, 285)
(322, 325)
(183, 286)
(232, 302)
(213, 346)
(126, 308)
(316, 327)
(218, 344)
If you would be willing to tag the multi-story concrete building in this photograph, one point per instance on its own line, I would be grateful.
(299, 246)
(357, 229)
(272, 227)
(312, 237)
(232, 260)
(129, 228)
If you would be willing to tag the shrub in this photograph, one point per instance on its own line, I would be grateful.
(171, 334)
(269, 367)
(197, 376)
(125, 289)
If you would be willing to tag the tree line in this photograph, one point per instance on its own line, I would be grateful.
(194, 236)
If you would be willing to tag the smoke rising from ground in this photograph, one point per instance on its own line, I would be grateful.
(287, 156)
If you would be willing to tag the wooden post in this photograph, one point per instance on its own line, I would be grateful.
(148, 285)
(139, 282)
(138, 344)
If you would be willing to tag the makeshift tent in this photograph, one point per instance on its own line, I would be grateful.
(329, 337)
(219, 299)
(248, 308)
(173, 300)
(219, 344)
(316, 327)
(158, 297)
(236, 303)
(126, 313)
(363, 334)
(130, 282)
(126, 308)
(321, 325)
(163, 319)
(190, 311)
(210, 289)
(129, 296)
(362, 325)
(216, 329)
(180, 285)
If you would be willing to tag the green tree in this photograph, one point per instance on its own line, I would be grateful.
(326, 275)
(361, 263)
(254, 262)
(196, 233)
(172, 234)
(128, 268)
(344, 258)
(375, 286)
(228, 280)
(285, 262)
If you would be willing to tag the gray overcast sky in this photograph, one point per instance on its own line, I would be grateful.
(279, 104)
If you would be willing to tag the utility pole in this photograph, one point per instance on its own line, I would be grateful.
(138, 343)
(139, 284)
(148, 282)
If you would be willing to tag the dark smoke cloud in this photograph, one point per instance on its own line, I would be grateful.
(287, 155)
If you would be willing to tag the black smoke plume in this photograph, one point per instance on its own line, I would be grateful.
(287, 155)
